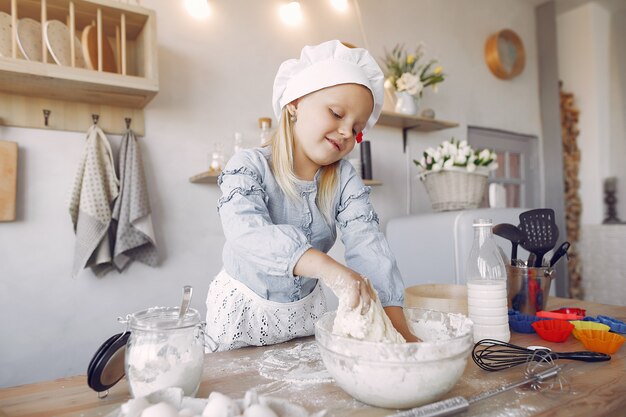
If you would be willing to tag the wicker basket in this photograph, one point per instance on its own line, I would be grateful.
(453, 189)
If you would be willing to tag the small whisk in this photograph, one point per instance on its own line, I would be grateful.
(538, 376)
(494, 355)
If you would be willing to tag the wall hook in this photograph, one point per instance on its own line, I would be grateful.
(95, 118)
(46, 115)
(128, 120)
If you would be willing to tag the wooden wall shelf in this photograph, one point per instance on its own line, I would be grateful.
(210, 177)
(131, 32)
(407, 122)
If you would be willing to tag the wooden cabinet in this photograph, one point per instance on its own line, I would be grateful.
(72, 92)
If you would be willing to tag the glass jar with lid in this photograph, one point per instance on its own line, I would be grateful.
(164, 350)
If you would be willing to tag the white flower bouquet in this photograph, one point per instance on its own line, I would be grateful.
(455, 175)
(405, 72)
(459, 154)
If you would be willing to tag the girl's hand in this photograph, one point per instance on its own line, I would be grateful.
(354, 288)
(343, 281)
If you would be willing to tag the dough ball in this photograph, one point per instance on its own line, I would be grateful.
(186, 412)
(258, 410)
(134, 408)
(160, 410)
(220, 405)
(250, 398)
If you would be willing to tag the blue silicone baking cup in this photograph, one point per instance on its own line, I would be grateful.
(616, 325)
(522, 323)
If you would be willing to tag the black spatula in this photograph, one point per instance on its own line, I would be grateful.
(541, 232)
(512, 233)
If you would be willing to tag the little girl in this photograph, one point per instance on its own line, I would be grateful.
(283, 203)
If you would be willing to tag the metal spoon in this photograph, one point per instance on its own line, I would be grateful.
(512, 233)
(187, 291)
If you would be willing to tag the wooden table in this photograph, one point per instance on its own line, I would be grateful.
(596, 389)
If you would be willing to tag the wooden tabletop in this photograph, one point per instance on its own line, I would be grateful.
(595, 389)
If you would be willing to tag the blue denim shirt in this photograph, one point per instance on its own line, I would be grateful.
(267, 232)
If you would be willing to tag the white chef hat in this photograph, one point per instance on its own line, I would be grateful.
(325, 65)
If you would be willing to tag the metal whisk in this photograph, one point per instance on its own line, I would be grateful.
(494, 355)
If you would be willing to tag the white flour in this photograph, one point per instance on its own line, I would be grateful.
(373, 326)
(301, 364)
(400, 375)
(154, 363)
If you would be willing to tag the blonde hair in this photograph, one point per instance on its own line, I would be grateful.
(282, 143)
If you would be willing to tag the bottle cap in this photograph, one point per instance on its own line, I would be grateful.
(265, 120)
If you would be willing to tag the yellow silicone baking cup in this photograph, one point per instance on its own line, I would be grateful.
(589, 325)
(599, 340)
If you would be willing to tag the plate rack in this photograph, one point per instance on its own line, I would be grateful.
(69, 94)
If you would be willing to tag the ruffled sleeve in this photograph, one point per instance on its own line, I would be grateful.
(367, 250)
(255, 240)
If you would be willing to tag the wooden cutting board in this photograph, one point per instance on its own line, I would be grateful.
(8, 180)
(90, 50)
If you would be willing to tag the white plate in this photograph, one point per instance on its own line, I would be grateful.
(29, 38)
(58, 37)
(5, 35)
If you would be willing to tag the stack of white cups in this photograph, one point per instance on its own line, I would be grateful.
(487, 307)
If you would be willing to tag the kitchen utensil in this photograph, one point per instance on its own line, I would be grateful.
(616, 325)
(541, 232)
(600, 340)
(90, 50)
(528, 288)
(57, 36)
(511, 233)
(6, 48)
(448, 298)
(459, 404)
(560, 315)
(399, 375)
(494, 355)
(553, 330)
(588, 325)
(558, 254)
(29, 39)
(8, 179)
(184, 306)
(522, 323)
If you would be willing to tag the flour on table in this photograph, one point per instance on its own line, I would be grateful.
(301, 364)
(372, 326)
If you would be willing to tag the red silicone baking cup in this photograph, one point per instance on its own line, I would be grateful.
(600, 341)
(559, 316)
(553, 330)
(571, 310)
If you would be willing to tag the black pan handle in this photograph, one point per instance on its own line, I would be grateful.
(583, 356)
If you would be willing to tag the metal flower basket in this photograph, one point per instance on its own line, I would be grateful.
(455, 189)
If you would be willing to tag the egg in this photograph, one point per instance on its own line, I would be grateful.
(258, 410)
(186, 412)
(220, 405)
(160, 410)
(134, 408)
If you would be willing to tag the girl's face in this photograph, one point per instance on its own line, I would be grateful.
(328, 121)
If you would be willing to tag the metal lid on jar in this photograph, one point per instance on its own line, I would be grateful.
(163, 318)
(106, 367)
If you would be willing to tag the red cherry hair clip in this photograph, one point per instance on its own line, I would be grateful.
(359, 137)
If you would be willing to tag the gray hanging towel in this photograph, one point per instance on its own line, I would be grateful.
(95, 188)
(134, 237)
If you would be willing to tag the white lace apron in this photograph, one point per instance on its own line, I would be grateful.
(238, 317)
